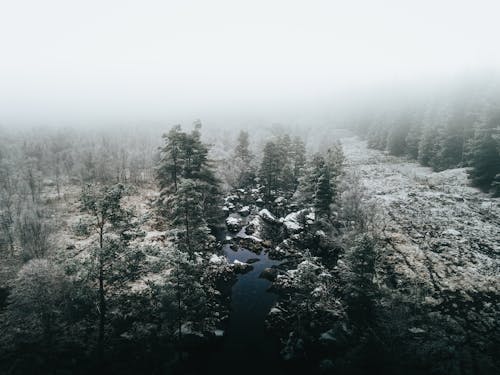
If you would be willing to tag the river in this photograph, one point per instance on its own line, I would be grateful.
(247, 348)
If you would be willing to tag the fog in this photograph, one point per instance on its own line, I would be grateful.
(95, 63)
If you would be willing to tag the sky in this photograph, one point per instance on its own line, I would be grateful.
(104, 62)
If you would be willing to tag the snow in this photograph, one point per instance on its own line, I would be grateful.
(244, 210)
(416, 330)
(240, 263)
(217, 259)
(275, 310)
(291, 221)
(441, 233)
(233, 221)
(280, 200)
(219, 333)
(268, 216)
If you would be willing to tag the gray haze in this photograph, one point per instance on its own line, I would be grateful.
(110, 62)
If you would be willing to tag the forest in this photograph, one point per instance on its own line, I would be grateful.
(460, 129)
(131, 252)
(265, 187)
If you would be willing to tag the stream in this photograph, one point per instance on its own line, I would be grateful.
(247, 348)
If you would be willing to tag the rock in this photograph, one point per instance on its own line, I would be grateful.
(218, 333)
(244, 211)
(292, 221)
(416, 330)
(451, 232)
(269, 274)
(280, 201)
(71, 246)
(267, 243)
(267, 216)
(233, 224)
(241, 267)
(250, 229)
(275, 311)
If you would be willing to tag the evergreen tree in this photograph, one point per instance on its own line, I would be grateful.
(396, 141)
(185, 157)
(360, 290)
(186, 215)
(323, 196)
(242, 149)
(270, 168)
(298, 155)
(103, 203)
(485, 156)
(412, 141)
(33, 324)
(428, 146)
(450, 147)
(308, 182)
(172, 162)
(242, 161)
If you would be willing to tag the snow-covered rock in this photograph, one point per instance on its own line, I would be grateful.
(244, 211)
(292, 221)
(217, 259)
(241, 267)
(233, 223)
(451, 232)
(267, 216)
(269, 274)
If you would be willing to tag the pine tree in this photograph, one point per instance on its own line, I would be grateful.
(186, 215)
(308, 182)
(270, 168)
(242, 149)
(323, 196)
(185, 157)
(428, 146)
(172, 162)
(412, 141)
(242, 161)
(396, 141)
(485, 156)
(450, 147)
(299, 160)
(360, 289)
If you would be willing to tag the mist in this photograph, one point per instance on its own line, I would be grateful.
(92, 64)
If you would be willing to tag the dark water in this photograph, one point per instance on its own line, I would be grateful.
(247, 347)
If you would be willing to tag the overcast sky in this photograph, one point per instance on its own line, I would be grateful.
(112, 61)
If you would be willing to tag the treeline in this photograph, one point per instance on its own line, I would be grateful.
(457, 129)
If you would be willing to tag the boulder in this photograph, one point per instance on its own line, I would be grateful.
(241, 267)
(267, 216)
(233, 224)
(244, 211)
(269, 274)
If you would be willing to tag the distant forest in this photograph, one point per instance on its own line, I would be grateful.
(454, 130)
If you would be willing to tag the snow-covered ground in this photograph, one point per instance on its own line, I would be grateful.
(440, 232)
